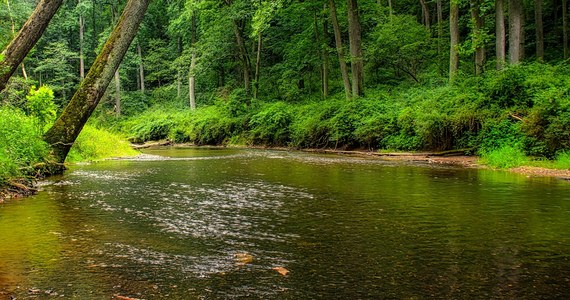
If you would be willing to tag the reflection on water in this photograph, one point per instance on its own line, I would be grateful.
(218, 224)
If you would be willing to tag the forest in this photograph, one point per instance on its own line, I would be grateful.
(488, 78)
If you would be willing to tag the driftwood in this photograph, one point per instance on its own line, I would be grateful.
(457, 152)
(148, 145)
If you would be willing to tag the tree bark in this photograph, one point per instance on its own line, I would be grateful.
(355, 37)
(516, 33)
(67, 127)
(26, 38)
(454, 42)
(246, 63)
(339, 49)
(117, 93)
(325, 54)
(425, 14)
(179, 72)
(539, 30)
(141, 67)
(81, 38)
(440, 35)
(501, 36)
(478, 25)
(564, 28)
(257, 66)
(191, 77)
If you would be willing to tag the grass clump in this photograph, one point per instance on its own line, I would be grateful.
(96, 144)
(505, 157)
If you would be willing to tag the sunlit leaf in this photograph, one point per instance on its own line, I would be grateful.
(281, 270)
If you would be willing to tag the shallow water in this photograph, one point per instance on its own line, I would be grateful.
(213, 224)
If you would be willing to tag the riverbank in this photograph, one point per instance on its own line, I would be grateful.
(451, 158)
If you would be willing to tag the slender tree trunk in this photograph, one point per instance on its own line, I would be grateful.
(539, 30)
(179, 72)
(117, 93)
(325, 54)
(425, 14)
(81, 38)
(191, 75)
(141, 67)
(67, 127)
(564, 28)
(390, 8)
(356, 60)
(478, 25)
(257, 66)
(339, 49)
(244, 57)
(454, 43)
(440, 35)
(501, 34)
(26, 38)
(320, 50)
(516, 33)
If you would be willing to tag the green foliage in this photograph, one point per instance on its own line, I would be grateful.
(505, 157)
(40, 105)
(20, 143)
(96, 144)
(270, 126)
(563, 160)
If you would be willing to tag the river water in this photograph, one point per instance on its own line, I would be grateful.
(226, 223)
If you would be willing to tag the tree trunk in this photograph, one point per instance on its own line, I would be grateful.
(257, 66)
(319, 51)
(26, 38)
(179, 72)
(24, 73)
(564, 28)
(244, 57)
(539, 30)
(67, 127)
(501, 34)
(355, 37)
(477, 26)
(325, 54)
(425, 14)
(117, 93)
(440, 35)
(141, 67)
(339, 49)
(81, 38)
(191, 75)
(516, 33)
(454, 42)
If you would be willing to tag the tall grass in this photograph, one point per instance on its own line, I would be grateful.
(20, 143)
(95, 144)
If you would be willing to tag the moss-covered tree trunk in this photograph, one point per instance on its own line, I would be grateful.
(25, 40)
(67, 127)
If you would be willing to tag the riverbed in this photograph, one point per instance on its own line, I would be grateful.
(239, 223)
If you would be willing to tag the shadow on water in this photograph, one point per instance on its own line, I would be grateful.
(219, 224)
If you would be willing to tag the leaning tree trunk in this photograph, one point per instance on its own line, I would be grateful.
(339, 49)
(67, 127)
(25, 40)
(500, 33)
(454, 43)
(355, 37)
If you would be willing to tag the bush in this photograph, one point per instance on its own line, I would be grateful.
(21, 144)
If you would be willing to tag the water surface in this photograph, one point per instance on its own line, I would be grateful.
(215, 223)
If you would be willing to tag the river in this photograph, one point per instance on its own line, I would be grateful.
(252, 224)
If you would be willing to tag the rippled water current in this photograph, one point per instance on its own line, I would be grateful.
(221, 224)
